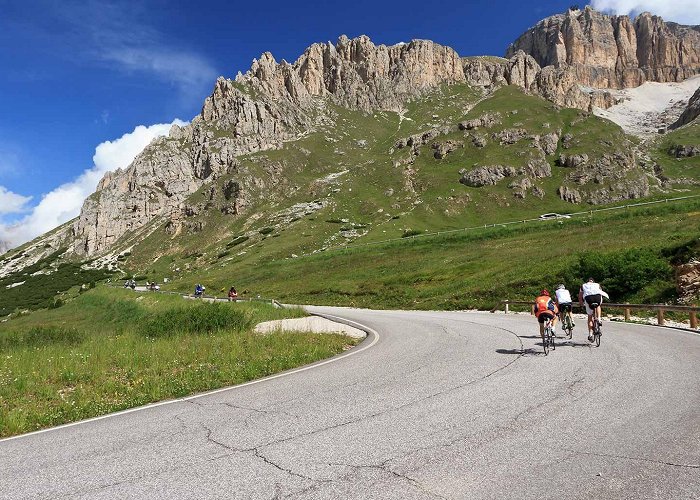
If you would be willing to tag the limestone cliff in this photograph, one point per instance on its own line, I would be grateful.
(690, 113)
(559, 85)
(613, 51)
(272, 103)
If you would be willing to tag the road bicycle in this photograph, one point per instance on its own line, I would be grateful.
(596, 331)
(567, 324)
(596, 325)
(548, 340)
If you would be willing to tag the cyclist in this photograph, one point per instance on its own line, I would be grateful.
(545, 310)
(563, 300)
(592, 295)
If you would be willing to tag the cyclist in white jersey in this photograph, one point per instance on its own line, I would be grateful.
(592, 295)
(564, 302)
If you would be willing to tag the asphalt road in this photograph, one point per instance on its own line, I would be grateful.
(442, 405)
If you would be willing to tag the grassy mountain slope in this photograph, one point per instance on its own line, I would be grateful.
(348, 184)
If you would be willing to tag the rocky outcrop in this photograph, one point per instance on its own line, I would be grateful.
(272, 103)
(491, 175)
(604, 51)
(572, 161)
(690, 113)
(611, 177)
(681, 151)
(688, 281)
(557, 84)
(442, 149)
(487, 176)
(488, 120)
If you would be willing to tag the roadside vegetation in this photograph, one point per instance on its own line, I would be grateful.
(631, 252)
(110, 349)
(41, 285)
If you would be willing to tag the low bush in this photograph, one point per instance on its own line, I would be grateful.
(411, 232)
(237, 241)
(41, 336)
(625, 274)
(202, 319)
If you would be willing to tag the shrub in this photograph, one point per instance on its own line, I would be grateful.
(623, 274)
(410, 232)
(202, 319)
(266, 230)
(41, 336)
(237, 241)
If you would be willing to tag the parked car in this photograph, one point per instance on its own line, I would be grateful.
(554, 216)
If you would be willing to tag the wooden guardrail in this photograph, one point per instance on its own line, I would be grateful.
(627, 308)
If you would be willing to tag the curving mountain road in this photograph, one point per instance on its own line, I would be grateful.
(442, 405)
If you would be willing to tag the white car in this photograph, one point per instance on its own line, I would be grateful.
(554, 216)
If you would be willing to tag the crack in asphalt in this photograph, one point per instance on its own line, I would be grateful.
(636, 459)
(268, 461)
(386, 469)
(257, 410)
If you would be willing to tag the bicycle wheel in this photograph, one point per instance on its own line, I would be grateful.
(597, 336)
(545, 342)
(569, 327)
(552, 337)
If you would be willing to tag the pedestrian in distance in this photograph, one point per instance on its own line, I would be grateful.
(232, 294)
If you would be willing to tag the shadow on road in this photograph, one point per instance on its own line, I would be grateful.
(522, 352)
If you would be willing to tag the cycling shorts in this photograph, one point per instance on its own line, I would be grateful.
(545, 316)
(592, 301)
(565, 307)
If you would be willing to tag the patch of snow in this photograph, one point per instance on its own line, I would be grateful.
(15, 284)
(646, 109)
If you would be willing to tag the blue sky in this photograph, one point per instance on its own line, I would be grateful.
(76, 74)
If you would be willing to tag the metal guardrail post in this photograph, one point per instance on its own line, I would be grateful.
(507, 307)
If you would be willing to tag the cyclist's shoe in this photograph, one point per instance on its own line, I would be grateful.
(590, 338)
(573, 324)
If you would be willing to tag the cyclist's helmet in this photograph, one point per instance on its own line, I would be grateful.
(561, 286)
(545, 292)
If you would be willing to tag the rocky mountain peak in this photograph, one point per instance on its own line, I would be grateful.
(613, 51)
(271, 103)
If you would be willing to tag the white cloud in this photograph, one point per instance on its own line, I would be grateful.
(679, 11)
(64, 202)
(187, 71)
(12, 203)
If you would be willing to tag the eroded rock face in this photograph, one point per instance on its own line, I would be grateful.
(690, 113)
(682, 151)
(688, 281)
(613, 51)
(487, 176)
(272, 103)
(557, 84)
